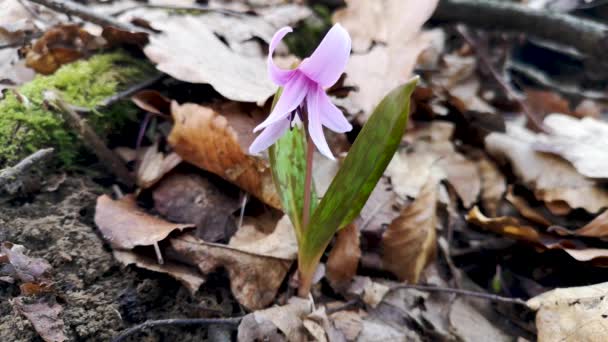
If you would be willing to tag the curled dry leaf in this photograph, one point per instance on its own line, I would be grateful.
(511, 227)
(349, 323)
(281, 243)
(188, 276)
(287, 318)
(22, 267)
(192, 198)
(61, 45)
(152, 101)
(344, 257)
(153, 165)
(552, 179)
(582, 142)
(597, 228)
(525, 210)
(493, 184)
(256, 268)
(207, 139)
(409, 242)
(45, 316)
(124, 225)
(572, 314)
(177, 52)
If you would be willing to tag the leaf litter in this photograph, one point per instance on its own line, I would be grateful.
(459, 162)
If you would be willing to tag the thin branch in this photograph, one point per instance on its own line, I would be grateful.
(200, 8)
(108, 158)
(488, 296)
(203, 322)
(73, 8)
(131, 90)
(506, 88)
(587, 36)
(10, 174)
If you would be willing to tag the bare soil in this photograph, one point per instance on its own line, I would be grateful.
(99, 297)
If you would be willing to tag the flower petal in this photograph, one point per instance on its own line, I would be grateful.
(292, 96)
(278, 75)
(269, 136)
(327, 63)
(315, 128)
(331, 116)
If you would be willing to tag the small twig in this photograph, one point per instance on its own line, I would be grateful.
(9, 174)
(353, 303)
(202, 9)
(232, 322)
(131, 90)
(489, 296)
(242, 211)
(485, 60)
(73, 8)
(108, 158)
(159, 255)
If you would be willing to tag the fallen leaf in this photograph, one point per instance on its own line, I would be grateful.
(409, 242)
(124, 225)
(572, 314)
(256, 269)
(552, 179)
(188, 276)
(22, 267)
(493, 184)
(344, 257)
(348, 322)
(387, 17)
(176, 52)
(525, 210)
(153, 165)
(192, 198)
(543, 102)
(45, 316)
(583, 142)
(511, 227)
(471, 325)
(61, 45)
(288, 318)
(381, 208)
(152, 101)
(209, 140)
(597, 228)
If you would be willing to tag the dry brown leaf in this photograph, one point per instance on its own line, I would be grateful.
(572, 314)
(525, 210)
(288, 318)
(177, 52)
(348, 322)
(386, 17)
(344, 257)
(45, 316)
(511, 227)
(190, 197)
(61, 45)
(552, 179)
(188, 276)
(543, 102)
(124, 225)
(471, 325)
(256, 267)
(22, 267)
(598, 228)
(409, 242)
(583, 142)
(153, 165)
(493, 184)
(152, 101)
(207, 139)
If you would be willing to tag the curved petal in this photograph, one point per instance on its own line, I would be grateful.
(269, 136)
(331, 116)
(327, 63)
(278, 75)
(292, 96)
(315, 128)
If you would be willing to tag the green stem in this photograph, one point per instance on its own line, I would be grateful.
(306, 274)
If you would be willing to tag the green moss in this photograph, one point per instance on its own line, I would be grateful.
(28, 126)
(308, 35)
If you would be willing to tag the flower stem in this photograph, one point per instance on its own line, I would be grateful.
(310, 149)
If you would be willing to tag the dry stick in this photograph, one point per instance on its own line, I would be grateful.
(489, 296)
(484, 59)
(131, 90)
(9, 174)
(233, 322)
(585, 35)
(84, 13)
(108, 158)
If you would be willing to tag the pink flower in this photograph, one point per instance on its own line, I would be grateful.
(304, 87)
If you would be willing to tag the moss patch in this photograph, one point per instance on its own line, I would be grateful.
(28, 126)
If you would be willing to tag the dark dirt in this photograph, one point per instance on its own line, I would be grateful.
(99, 297)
